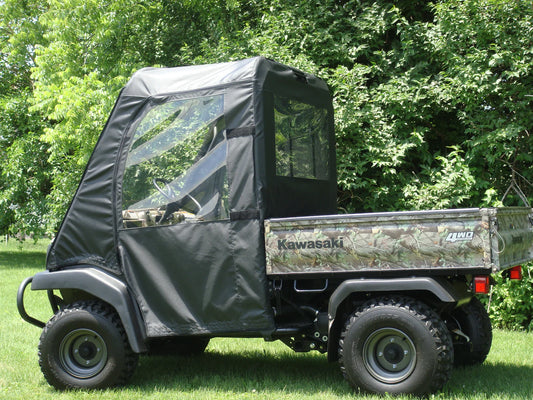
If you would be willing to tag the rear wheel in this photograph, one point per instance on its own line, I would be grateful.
(474, 322)
(85, 346)
(396, 345)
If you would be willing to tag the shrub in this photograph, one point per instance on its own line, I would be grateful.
(511, 302)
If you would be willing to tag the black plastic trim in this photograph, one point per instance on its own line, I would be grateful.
(441, 290)
(385, 274)
(104, 286)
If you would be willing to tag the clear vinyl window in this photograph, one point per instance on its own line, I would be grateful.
(302, 145)
(176, 165)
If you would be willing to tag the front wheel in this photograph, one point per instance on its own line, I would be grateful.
(396, 345)
(85, 346)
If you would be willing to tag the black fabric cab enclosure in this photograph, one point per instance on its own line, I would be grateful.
(189, 164)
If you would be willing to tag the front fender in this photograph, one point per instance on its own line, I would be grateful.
(104, 286)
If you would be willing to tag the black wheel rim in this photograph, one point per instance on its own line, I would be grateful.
(83, 353)
(389, 355)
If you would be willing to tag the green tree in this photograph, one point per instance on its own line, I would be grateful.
(94, 47)
(486, 50)
(450, 89)
(430, 98)
(24, 173)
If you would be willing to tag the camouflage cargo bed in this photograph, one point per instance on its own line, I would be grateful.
(487, 238)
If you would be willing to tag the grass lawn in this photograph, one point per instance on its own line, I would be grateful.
(231, 368)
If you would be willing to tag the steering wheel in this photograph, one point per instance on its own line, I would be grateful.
(169, 194)
(174, 205)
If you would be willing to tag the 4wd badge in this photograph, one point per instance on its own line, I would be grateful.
(460, 236)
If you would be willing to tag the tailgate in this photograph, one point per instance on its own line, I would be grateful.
(512, 238)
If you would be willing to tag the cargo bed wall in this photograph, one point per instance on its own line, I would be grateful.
(512, 239)
(419, 240)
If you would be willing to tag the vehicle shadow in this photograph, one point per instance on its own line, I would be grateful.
(239, 373)
(297, 373)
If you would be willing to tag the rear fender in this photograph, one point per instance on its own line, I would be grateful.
(103, 286)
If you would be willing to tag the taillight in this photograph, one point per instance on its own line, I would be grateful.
(481, 285)
(515, 273)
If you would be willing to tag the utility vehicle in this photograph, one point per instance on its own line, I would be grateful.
(207, 209)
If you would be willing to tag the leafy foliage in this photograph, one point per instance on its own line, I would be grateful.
(512, 302)
(431, 100)
(487, 51)
(24, 171)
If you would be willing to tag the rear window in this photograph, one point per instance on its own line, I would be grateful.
(302, 145)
